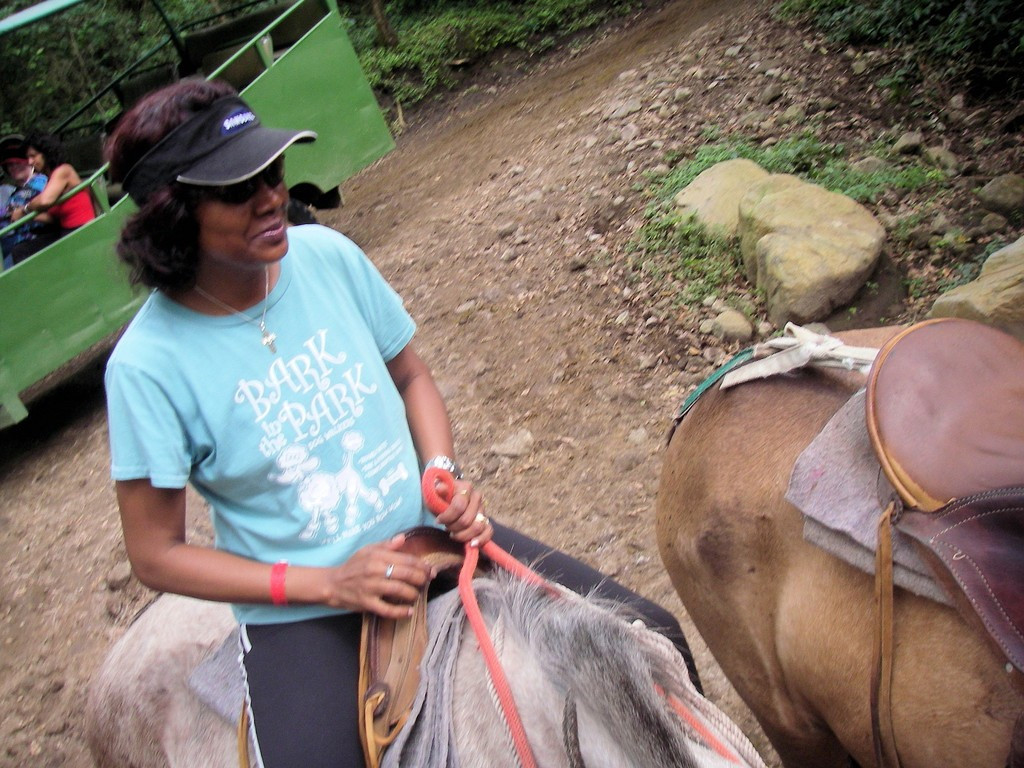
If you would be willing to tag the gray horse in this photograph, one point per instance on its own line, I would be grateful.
(591, 688)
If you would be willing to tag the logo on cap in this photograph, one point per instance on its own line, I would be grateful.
(236, 121)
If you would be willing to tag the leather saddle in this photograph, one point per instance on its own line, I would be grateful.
(945, 415)
(391, 650)
(945, 412)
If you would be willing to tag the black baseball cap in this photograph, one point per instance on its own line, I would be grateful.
(12, 147)
(223, 144)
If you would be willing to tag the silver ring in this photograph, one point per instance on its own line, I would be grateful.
(389, 570)
(482, 518)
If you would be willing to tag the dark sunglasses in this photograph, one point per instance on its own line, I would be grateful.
(235, 194)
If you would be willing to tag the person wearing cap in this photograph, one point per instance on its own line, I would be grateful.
(27, 185)
(7, 189)
(273, 369)
(46, 154)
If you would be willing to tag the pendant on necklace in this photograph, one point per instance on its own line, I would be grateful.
(269, 339)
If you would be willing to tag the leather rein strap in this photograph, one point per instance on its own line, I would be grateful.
(438, 491)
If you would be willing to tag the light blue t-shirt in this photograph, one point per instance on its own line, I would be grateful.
(304, 454)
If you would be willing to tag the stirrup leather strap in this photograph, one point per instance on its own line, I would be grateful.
(883, 735)
(243, 737)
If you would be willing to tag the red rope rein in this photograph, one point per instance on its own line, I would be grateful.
(438, 491)
(437, 501)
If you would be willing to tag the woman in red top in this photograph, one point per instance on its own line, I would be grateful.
(46, 154)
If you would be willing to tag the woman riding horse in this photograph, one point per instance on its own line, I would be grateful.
(273, 369)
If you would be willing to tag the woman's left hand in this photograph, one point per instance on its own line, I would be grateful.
(465, 518)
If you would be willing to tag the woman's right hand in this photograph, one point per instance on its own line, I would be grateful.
(377, 578)
(380, 579)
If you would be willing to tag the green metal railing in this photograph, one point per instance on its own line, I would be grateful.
(73, 294)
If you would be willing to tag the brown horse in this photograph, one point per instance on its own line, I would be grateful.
(792, 626)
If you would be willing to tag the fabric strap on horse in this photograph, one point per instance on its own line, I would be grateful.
(797, 348)
(883, 736)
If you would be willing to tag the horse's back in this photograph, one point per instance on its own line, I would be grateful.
(791, 625)
(140, 711)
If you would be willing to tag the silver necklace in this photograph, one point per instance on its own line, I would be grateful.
(268, 337)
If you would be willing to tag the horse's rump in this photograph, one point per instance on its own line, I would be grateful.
(791, 625)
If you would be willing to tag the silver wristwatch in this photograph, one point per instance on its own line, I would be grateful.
(446, 463)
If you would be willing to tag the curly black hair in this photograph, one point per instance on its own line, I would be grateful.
(160, 243)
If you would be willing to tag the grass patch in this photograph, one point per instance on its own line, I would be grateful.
(435, 38)
(667, 246)
(806, 156)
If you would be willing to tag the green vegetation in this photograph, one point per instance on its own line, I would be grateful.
(46, 70)
(50, 67)
(435, 38)
(978, 44)
(964, 269)
(806, 156)
(666, 245)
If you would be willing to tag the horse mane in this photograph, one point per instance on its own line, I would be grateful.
(591, 651)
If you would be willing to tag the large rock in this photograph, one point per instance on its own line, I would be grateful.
(808, 249)
(1004, 194)
(713, 198)
(996, 297)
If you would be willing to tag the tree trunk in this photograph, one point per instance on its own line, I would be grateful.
(384, 30)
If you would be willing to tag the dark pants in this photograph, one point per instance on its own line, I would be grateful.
(302, 676)
(36, 243)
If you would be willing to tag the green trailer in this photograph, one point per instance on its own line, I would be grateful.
(293, 63)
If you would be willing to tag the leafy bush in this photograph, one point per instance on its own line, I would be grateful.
(53, 65)
(979, 42)
(433, 38)
(47, 68)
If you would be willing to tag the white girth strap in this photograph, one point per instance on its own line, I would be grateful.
(796, 348)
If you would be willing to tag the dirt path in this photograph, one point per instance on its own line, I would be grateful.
(497, 223)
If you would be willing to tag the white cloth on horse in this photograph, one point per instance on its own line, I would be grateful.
(800, 347)
(219, 681)
(839, 486)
